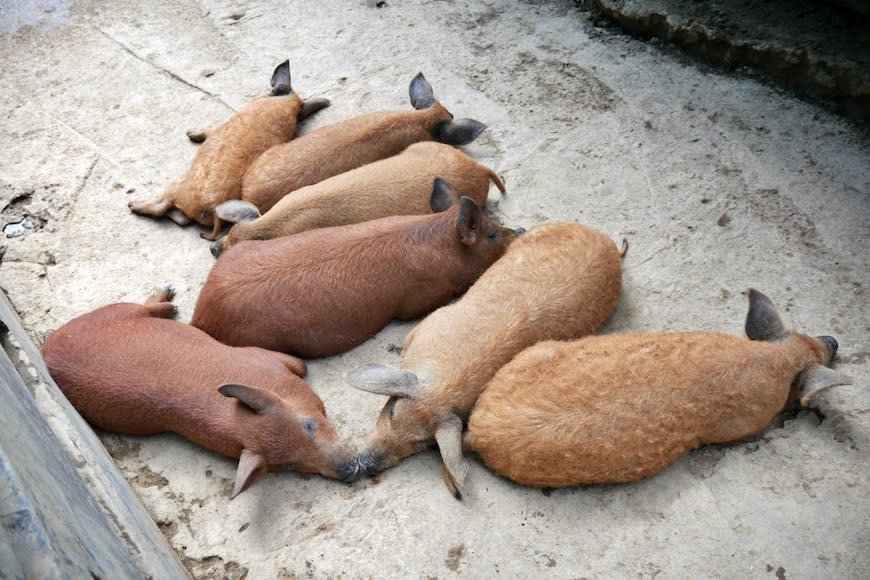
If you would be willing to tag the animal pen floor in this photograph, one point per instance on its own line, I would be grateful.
(719, 182)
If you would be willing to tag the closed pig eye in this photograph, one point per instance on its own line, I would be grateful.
(310, 426)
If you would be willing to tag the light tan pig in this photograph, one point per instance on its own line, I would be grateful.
(351, 143)
(227, 150)
(620, 407)
(556, 281)
(399, 185)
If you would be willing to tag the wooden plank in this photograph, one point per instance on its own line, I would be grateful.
(53, 523)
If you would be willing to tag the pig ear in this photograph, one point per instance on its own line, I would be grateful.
(443, 196)
(252, 467)
(448, 434)
(816, 378)
(468, 222)
(459, 132)
(383, 380)
(257, 400)
(281, 79)
(311, 106)
(421, 92)
(237, 211)
(762, 320)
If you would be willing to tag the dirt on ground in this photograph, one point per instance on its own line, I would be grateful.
(719, 182)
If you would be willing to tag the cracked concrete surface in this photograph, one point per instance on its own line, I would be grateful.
(718, 182)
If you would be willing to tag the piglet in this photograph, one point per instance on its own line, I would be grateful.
(620, 407)
(215, 174)
(127, 368)
(557, 281)
(398, 185)
(352, 143)
(324, 291)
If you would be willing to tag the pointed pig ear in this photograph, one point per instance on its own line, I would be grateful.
(459, 131)
(448, 435)
(252, 467)
(421, 92)
(468, 222)
(815, 378)
(762, 320)
(281, 79)
(383, 380)
(443, 196)
(257, 400)
(311, 106)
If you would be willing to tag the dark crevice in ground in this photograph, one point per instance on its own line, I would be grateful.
(819, 50)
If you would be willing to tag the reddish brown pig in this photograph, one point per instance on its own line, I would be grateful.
(325, 291)
(620, 407)
(398, 185)
(128, 369)
(215, 174)
(559, 281)
(352, 143)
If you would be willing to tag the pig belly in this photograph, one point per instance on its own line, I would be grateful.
(544, 457)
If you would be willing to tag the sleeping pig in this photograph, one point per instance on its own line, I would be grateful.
(215, 174)
(557, 281)
(324, 291)
(352, 143)
(398, 185)
(127, 368)
(620, 407)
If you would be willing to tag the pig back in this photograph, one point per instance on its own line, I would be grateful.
(556, 281)
(334, 149)
(222, 159)
(399, 185)
(323, 291)
(617, 408)
(422, 162)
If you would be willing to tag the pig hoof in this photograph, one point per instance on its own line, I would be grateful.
(163, 293)
(197, 135)
(168, 291)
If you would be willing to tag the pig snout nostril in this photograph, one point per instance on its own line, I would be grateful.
(353, 469)
(365, 464)
(349, 471)
(832, 345)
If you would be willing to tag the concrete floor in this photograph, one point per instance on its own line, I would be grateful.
(719, 182)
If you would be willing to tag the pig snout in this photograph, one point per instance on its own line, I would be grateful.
(357, 467)
(349, 471)
(366, 464)
(335, 460)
